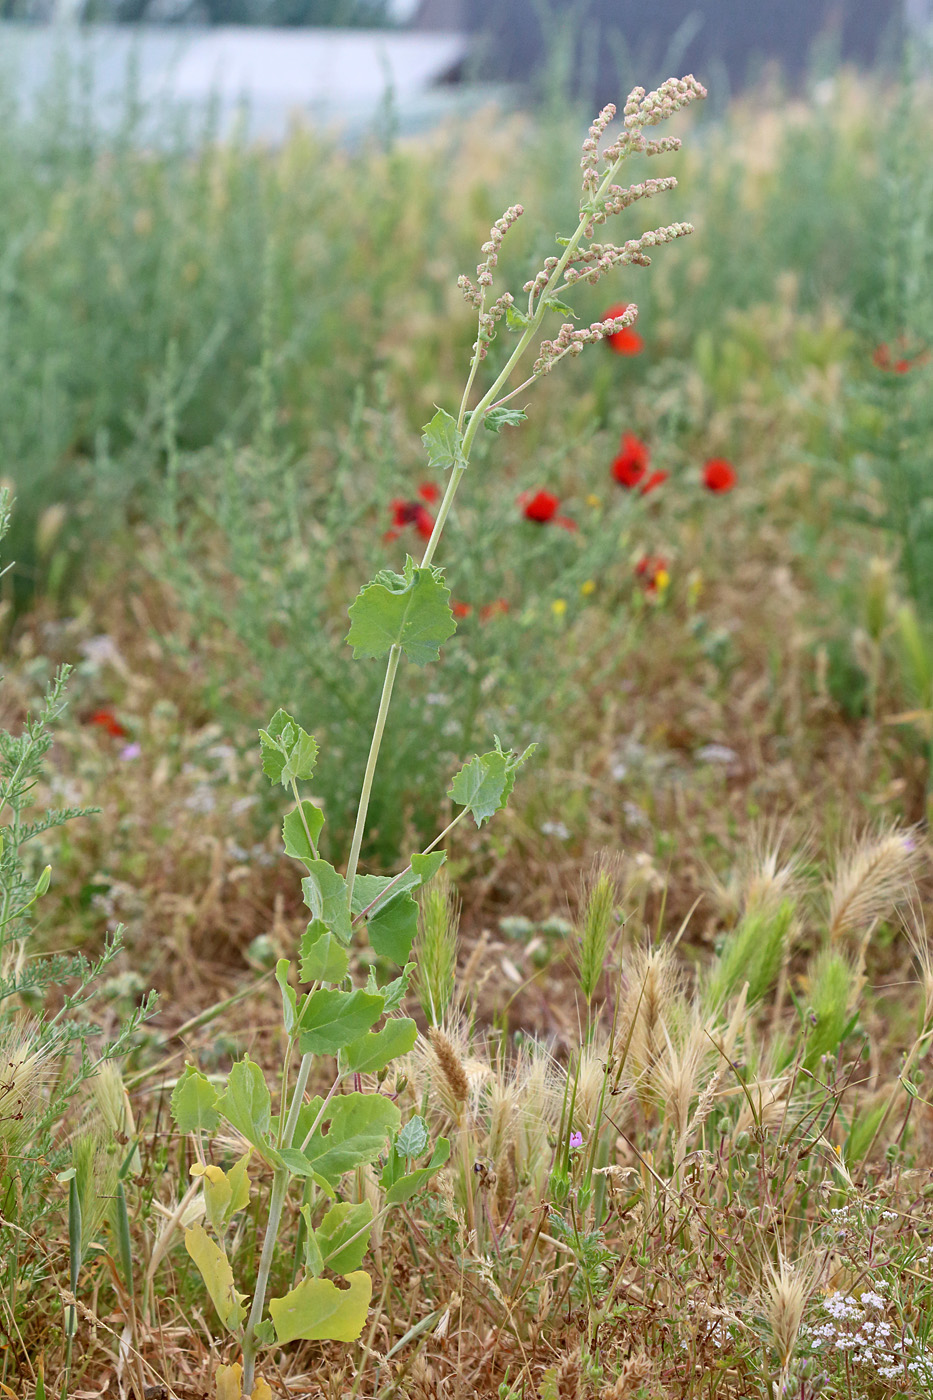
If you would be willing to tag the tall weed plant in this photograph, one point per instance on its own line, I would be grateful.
(329, 1028)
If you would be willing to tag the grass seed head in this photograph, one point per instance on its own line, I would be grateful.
(872, 879)
(452, 1069)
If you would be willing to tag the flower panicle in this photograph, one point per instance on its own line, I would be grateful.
(570, 340)
(491, 247)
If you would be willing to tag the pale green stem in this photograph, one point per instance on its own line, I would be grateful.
(395, 653)
(280, 1181)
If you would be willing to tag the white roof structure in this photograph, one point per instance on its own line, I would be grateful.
(263, 78)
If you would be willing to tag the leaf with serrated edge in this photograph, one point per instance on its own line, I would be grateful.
(287, 750)
(413, 1140)
(246, 1102)
(323, 959)
(442, 442)
(483, 785)
(358, 1126)
(294, 835)
(394, 991)
(342, 1236)
(325, 893)
(215, 1270)
(318, 1311)
(410, 610)
(404, 1187)
(498, 418)
(393, 927)
(373, 1051)
(314, 1259)
(331, 1019)
(367, 889)
(194, 1103)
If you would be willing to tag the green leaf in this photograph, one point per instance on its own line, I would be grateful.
(410, 610)
(314, 1259)
(393, 927)
(516, 320)
(318, 1311)
(289, 999)
(404, 1187)
(287, 751)
(296, 837)
(368, 888)
(215, 1270)
(442, 442)
(322, 957)
(194, 1103)
(247, 1104)
(426, 867)
(373, 1051)
(393, 919)
(332, 1019)
(352, 1133)
(325, 893)
(498, 418)
(555, 304)
(483, 785)
(343, 1237)
(413, 1140)
(394, 991)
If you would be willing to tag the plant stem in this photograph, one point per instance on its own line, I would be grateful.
(395, 652)
(276, 1203)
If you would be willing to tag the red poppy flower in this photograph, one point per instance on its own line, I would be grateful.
(655, 479)
(494, 609)
(460, 609)
(626, 341)
(105, 719)
(630, 466)
(719, 475)
(430, 493)
(883, 359)
(540, 507)
(649, 570)
(409, 513)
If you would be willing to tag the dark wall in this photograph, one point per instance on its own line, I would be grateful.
(609, 40)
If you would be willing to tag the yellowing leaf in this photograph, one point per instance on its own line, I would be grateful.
(318, 1311)
(214, 1268)
(227, 1382)
(260, 1391)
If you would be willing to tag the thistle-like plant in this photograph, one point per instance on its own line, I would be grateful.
(357, 1031)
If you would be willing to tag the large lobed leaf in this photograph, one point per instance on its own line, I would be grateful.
(410, 610)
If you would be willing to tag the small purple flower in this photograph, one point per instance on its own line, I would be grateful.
(576, 1140)
(131, 751)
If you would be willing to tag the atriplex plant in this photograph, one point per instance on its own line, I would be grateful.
(394, 614)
